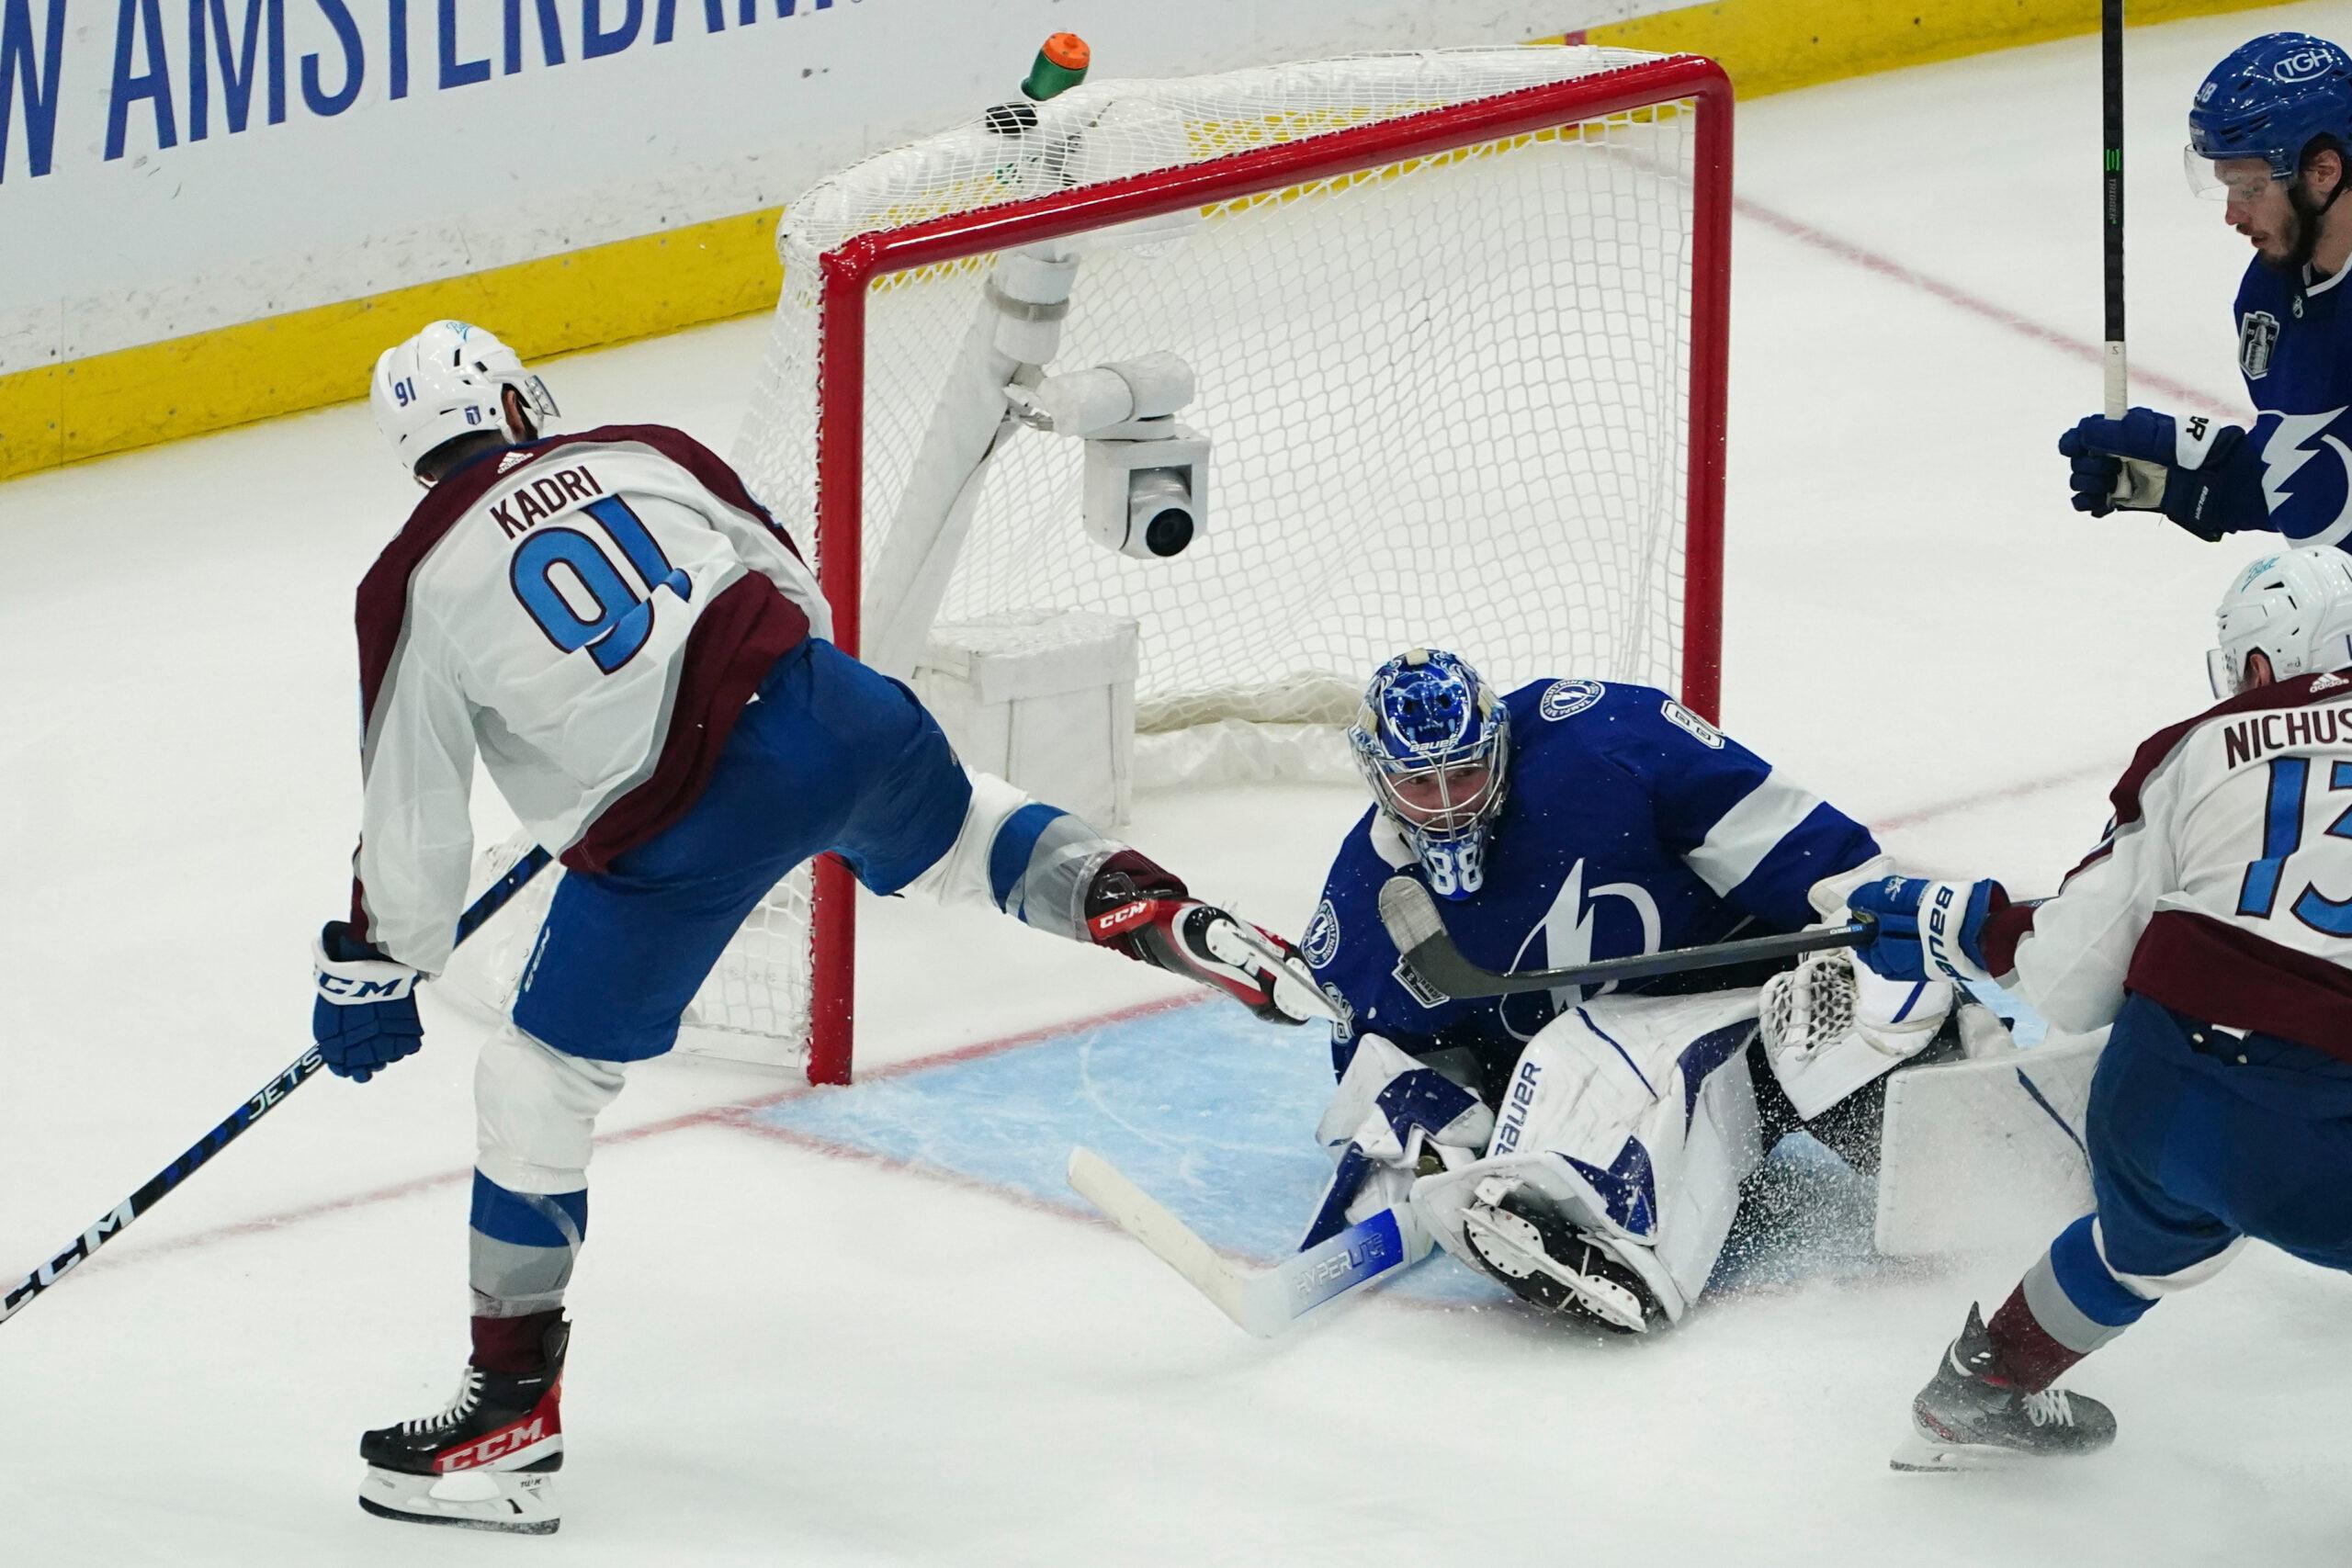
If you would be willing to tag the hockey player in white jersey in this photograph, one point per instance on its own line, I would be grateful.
(638, 655)
(2212, 929)
(1588, 1151)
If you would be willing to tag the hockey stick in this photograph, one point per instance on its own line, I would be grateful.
(1411, 917)
(264, 1099)
(1263, 1300)
(2110, 29)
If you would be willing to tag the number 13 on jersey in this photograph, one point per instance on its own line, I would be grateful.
(2282, 837)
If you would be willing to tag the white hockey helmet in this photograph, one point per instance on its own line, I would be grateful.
(447, 381)
(2296, 607)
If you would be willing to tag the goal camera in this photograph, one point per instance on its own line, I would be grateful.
(1145, 498)
(1147, 476)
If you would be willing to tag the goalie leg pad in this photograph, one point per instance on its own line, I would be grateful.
(1987, 1153)
(1386, 1096)
(1633, 1120)
(1522, 1243)
(1392, 1116)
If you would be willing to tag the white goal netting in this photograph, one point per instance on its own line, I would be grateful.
(1449, 389)
(1447, 395)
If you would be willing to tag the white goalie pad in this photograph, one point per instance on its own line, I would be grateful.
(1636, 1118)
(1987, 1154)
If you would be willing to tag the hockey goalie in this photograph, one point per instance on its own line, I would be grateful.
(1590, 1151)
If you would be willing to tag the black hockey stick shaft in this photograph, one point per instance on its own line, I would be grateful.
(264, 1099)
(2110, 30)
(1418, 931)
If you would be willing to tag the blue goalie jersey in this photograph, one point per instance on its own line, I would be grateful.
(2295, 352)
(1631, 825)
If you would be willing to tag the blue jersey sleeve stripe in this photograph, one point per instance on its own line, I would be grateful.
(1754, 826)
(1825, 844)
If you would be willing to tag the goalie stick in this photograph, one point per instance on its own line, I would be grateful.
(264, 1099)
(1263, 1300)
(1410, 914)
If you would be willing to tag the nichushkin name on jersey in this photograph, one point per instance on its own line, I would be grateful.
(2255, 736)
(543, 498)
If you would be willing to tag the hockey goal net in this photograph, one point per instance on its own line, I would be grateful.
(1457, 320)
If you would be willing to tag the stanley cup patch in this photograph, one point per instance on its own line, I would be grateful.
(2256, 338)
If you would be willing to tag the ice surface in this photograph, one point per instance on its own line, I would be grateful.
(802, 1340)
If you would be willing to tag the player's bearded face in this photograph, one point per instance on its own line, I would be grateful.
(2281, 217)
(1443, 799)
(2262, 209)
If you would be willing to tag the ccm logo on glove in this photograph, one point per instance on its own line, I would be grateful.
(396, 981)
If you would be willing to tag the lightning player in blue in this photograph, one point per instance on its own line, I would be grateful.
(1587, 1150)
(2269, 132)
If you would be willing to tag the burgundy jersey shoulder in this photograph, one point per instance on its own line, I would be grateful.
(382, 605)
(2303, 691)
(710, 470)
(2010, 924)
(384, 592)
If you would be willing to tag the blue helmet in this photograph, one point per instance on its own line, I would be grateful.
(1433, 741)
(2271, 98)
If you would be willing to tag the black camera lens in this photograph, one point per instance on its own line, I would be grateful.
(1169, 532)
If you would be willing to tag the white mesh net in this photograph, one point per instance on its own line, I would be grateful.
(752, 1007)
(1448, 398)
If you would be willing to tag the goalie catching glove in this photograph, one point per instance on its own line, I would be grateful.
(1831, 1025)
(1138, 907)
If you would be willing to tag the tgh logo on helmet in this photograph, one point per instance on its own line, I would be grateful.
(2302, 66)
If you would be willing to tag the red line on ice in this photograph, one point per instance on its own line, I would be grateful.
(734, 1115)
(2179, 392)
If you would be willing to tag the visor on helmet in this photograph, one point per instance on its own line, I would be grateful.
(2207, 181)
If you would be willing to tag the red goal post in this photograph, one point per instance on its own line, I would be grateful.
(853, 271)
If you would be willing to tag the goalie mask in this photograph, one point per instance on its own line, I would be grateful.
(449, 380)
(2295, 608)
(1433, 742)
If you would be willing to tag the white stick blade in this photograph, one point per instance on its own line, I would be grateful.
(1175, 1243)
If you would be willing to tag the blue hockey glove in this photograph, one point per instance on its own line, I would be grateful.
(365, 1018)
(1927, 930)
(2200, 474)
